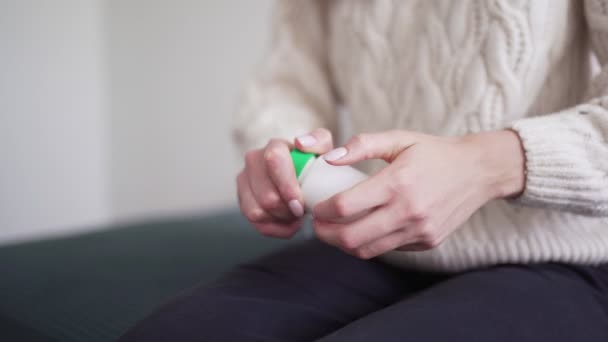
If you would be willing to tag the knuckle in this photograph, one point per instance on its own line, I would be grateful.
(347, 240)
(270, 201)
(402, 218)
(364, 253)
(425, 230)
(427, 236)
(418, 212)
(341, 206)
(399, 187)
(250, 157)
(361, 140)
(418, 215)
(287, 190)
(272, 156)
(323, 134)
(251, 154)
(255, 215)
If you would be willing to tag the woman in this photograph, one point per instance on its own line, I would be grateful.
(489, 220)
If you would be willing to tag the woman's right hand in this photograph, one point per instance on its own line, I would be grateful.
(268, 191)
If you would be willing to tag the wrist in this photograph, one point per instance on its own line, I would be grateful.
(502, 161)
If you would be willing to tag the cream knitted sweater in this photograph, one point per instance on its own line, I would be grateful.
(451, 68)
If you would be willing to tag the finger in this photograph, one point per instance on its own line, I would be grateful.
(408, 238)
(384, 145)
(318, 141)
(434, 234)
(396, 240)
(366, 195)
(258, 217)
(247, 203)
(282, 173)
(353, 235)
(279, 230)
(264, 191)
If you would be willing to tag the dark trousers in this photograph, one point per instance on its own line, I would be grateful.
(315, 292)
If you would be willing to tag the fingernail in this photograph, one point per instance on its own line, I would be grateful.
(296, 208)
(335, 154)
(307, 140)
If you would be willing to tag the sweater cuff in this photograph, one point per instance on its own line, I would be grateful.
(559, 173)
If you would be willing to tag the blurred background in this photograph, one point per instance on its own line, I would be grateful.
(119, 110)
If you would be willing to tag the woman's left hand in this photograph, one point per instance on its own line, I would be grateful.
(430, 187)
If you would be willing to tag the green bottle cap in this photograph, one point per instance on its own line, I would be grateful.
(300, 159)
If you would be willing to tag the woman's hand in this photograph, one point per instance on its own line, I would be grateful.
(268, 191)
(432, 185)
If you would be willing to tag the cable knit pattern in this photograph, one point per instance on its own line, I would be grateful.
(452, 68)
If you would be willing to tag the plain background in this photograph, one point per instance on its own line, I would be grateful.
(119, 110)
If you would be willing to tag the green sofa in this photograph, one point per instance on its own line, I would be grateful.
(93, 287)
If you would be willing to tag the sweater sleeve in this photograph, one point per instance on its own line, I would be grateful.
(291, 92)
(567, 152)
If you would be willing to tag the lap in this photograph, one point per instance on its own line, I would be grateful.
(311, 290)
(298, 294)
(548, 302)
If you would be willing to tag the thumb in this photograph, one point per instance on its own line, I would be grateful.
(384, 145)
(318, 141)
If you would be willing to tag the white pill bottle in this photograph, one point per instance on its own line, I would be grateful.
(320, 180)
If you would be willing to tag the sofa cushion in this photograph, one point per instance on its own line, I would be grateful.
(94, 286)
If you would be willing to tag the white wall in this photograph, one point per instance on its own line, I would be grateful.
(53, 144)
(176, 70)
(119, 109)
